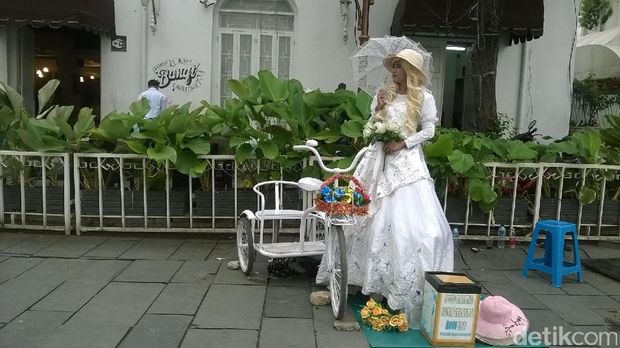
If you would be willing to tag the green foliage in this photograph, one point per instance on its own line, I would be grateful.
(593, 13)
(611, 134)
(49, 131)
(592, 99)
(269, 116)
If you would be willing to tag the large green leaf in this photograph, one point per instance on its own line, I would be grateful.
(46, 92)
(294, 87)
(352, 129)
(519, 151)
(188, 163)
(363, 101)
(301, 112)
(45, 126)
(442, 147)
(30, 138)
(53, 144)
(15, 99)
(136, 146)
(477, 171)
(589, 142)
(567, 147)
(7, 117)
(481, 191)
(178, 124)
(269, 149)
(611, 136)
(243, 152)
(85, 122)
(65, 129)
(285, 112)
(460, 162)
(238, 139)
(162, 152)
(243, 91)
(200, 146)
(280, 135)
(113, 129)
(318, 99)
(61, 112)
(329, 136)
(587, 195)
(140, 108)
(210, 119)
(155, 135)
(272, 88)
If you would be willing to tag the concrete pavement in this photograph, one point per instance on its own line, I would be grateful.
(154, 291)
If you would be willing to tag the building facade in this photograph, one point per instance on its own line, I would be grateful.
(193, 46)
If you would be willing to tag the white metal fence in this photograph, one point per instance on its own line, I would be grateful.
(35, 191)
(127, 192)
(530, 192)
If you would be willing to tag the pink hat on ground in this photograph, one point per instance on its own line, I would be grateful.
(500, 322)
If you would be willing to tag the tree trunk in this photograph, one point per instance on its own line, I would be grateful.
(484, 66)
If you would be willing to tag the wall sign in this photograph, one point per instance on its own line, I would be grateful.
(119, 43)
(179, 74)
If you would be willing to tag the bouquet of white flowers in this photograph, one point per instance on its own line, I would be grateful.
(383, 131)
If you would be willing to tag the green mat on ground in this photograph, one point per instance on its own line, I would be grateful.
(392, 339)
(609, 267)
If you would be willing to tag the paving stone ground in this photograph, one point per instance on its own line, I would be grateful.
(109, 291)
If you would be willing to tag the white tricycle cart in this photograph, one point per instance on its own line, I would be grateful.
(313, 225)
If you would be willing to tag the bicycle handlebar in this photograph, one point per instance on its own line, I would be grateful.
(310, 147)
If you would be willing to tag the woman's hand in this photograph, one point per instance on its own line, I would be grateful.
(394, 146)
(381, 101)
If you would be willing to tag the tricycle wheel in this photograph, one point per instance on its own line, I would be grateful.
(245, 245)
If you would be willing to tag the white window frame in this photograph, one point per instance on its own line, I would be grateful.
(255, 60)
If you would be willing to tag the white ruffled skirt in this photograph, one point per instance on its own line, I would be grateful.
(405, 235)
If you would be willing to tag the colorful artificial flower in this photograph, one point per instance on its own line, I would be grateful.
(326, 191)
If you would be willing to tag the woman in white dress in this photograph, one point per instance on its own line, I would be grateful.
(406, 232)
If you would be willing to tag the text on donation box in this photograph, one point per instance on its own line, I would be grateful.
(457, 316)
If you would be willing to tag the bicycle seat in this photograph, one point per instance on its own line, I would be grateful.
(310, 184)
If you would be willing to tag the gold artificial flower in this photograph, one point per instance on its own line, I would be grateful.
(404, 327)
(396, 321)
(365, 313)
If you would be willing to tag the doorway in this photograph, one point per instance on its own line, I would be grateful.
(456, 59)
(74, 58)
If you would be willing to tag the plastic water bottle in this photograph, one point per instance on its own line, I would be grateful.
(501, 237)
(512, 241)
(455, 237)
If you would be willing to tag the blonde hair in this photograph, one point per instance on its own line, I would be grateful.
(415, 95)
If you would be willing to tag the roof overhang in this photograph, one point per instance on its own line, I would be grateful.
(522, 19)
(91, 15)
(599, 54)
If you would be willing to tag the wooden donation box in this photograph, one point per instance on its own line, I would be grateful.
(450, 309)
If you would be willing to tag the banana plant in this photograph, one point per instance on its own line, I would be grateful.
(178, 134)
(270, 115)
(49, 130)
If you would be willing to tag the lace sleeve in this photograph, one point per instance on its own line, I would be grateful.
(428, 121)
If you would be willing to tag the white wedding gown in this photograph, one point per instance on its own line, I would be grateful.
(406, 232)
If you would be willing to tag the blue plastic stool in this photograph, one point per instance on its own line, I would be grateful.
(553, 260)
